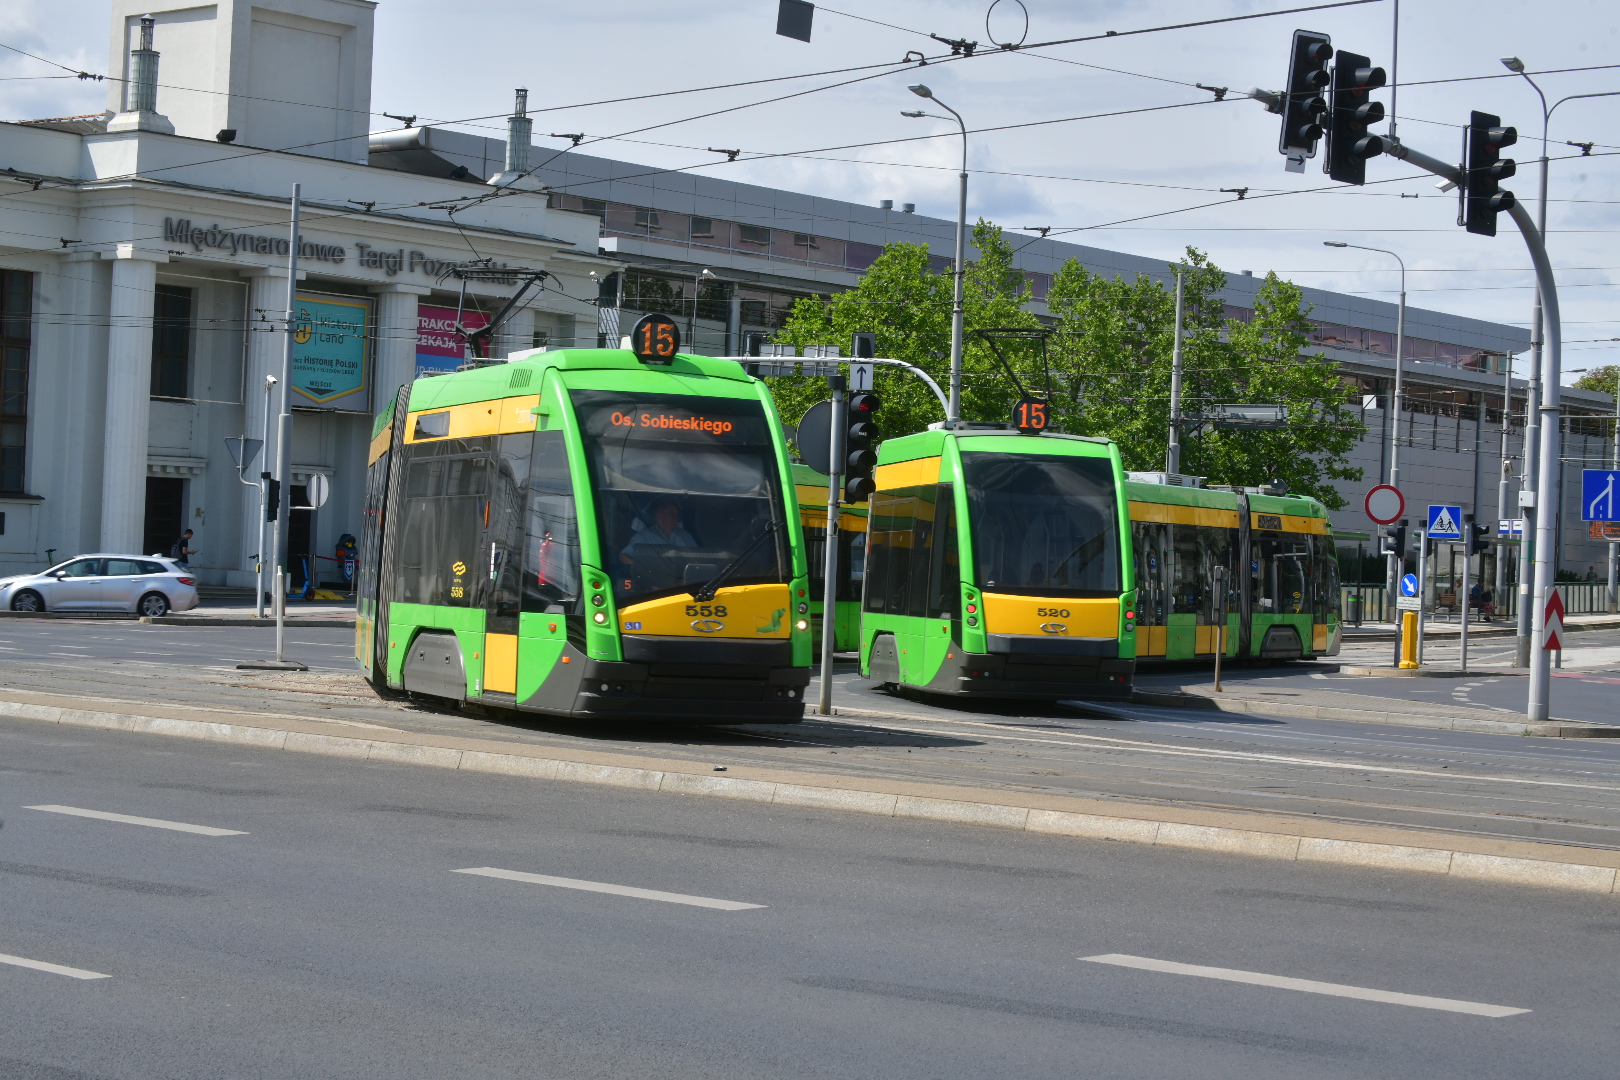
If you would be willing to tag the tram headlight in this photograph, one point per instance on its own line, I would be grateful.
(803, 608)
(802, 624)
(601, 617)
(597, 601)
(973, 620)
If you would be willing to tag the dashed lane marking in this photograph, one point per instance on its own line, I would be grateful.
(54, 969)
(605, 887)
(1308, 986)
(130, 819)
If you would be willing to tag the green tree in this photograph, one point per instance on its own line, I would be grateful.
(1113, 349)
(907, 305)
(1601, 379)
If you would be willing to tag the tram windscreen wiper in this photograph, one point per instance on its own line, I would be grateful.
(704, 593)
(1094, 542)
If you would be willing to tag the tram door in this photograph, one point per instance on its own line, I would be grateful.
(502, 556)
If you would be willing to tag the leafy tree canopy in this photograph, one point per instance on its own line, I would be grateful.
(1601, 379)
(1107, 356)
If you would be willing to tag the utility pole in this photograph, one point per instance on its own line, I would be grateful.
(1172, 453)
(1614, 547)
(284, 431)
(1503, 511)
(829, 579)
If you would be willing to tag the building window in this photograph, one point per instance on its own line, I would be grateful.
(16, 313)
(755, 234)
(171, 342)
(804, 240)
(647, 219)
(594, 206)
(702, 228)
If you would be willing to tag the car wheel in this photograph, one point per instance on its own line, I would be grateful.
(28, 600)
(152, 605)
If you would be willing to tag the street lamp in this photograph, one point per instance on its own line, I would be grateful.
(955, 409)
(1532, 424)
(697, 287)
(1393, 429)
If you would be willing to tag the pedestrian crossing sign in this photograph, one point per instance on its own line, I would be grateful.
(1445, 523)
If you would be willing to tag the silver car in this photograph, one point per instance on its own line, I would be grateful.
(145, 584)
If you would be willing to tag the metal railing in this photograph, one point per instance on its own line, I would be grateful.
(1368, 603)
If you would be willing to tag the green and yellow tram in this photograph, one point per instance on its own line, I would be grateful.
(1263, 564)
(998, 566)
(812, 490)
(587, 533)
(1006, 565)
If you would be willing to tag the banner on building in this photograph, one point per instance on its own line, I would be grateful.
(332, 353)
(439, 348)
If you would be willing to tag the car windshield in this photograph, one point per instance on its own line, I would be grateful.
(684, 487)
(1043, 526)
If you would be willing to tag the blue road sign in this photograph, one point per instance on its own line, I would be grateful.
(1409, 585)
(1600, 495)
(1445, 523)
(1510, 526)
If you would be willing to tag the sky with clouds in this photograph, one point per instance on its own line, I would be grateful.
(1084, 172)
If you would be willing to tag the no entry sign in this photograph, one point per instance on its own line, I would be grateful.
(1385, 504)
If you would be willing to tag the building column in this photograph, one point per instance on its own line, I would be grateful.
(129, 391)
(516, 334)
(397, 323)
(264, 321)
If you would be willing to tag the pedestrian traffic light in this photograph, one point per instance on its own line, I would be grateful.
(1478, 536)
(1304, 101)
(1351, 112)
(861, 457)
(1481, 193)
(272, 496)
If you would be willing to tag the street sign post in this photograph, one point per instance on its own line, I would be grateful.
(1510, 527)
(1555, 623)
(1385, 504)
(1445, 523)
(1600, 494)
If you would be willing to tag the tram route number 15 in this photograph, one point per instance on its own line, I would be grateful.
(656, 339)
(1030, 416)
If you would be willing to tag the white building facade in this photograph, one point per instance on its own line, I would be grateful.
(144, 288)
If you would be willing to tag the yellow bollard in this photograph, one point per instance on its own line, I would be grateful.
(1409, 639)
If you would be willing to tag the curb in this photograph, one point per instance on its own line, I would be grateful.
(1531, 864)
(175, 620)
(1256, 706)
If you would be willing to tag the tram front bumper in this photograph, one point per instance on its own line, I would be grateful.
(1020, 666)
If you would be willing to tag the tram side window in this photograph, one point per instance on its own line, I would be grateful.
(945, 563)
(890, 532)
(551, 557)
(1282, 572)
(446, 495)
(1150, 541)
(1328, 597)
(371, 532)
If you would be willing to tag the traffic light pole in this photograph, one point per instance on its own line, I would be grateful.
(829, 579)
(1547, 466)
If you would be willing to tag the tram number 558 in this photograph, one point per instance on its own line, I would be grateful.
(1030, 416)
(656, 339)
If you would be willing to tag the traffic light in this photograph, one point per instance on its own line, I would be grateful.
(864, 346)
(1303, 103)
(1481, 194)
(1478, 536)
(272, 496)
(1395, 542)
(1352, 111)
(861, 457)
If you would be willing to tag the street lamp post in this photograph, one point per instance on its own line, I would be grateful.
(1392, 429)
(697, 288)
(1535, 393)
(955, 409)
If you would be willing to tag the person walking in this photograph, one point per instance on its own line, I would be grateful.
(180, 552)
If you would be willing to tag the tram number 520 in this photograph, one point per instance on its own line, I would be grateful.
(1030, 416)
(656, 339)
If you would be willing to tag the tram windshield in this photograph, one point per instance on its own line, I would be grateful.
(687, 490)
(1043, 526)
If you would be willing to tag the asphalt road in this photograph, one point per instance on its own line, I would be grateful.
(1566, 791)
(329, 934)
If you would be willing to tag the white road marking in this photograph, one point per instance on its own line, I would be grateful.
(604, 887)
(54, 969)
(1309, 986)
(128, 819)
(1318, 675)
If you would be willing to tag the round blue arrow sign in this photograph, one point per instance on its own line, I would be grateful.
(1409, 585)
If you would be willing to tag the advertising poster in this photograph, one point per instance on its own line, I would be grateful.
(438, 347)
(332, 353)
